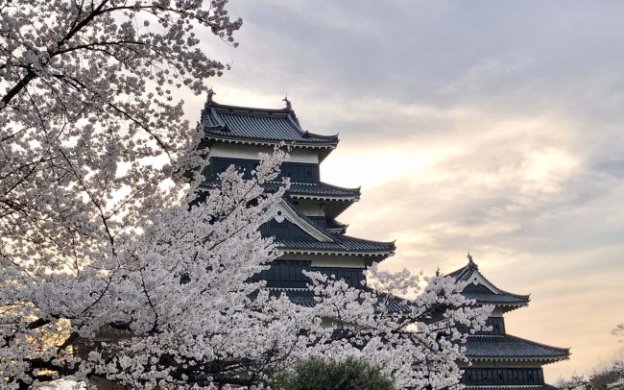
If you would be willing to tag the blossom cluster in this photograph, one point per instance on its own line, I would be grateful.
(116, 264)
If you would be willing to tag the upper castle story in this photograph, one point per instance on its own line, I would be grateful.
(304, 224)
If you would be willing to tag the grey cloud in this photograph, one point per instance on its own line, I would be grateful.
(425, 46)
(522, 100)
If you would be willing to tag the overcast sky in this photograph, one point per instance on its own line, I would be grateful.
(490, 127)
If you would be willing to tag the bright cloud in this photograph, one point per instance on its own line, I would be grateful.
(494, 128)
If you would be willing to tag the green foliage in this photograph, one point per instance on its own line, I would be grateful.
(606, 377)
(318, 374)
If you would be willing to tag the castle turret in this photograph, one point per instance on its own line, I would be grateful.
(500, 361)
(304, 224)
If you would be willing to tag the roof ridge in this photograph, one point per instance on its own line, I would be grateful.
(286, 113)
(213, 104)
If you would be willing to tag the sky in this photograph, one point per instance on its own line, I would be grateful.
(484, 126)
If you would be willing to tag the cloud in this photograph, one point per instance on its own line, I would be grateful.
(489, 127)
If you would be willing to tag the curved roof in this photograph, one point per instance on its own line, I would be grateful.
(484, 295)
(300, 241)
(320, 190)
(335, 199)
(510, 348)
(342, 244)
(259, 126)
(483, 291)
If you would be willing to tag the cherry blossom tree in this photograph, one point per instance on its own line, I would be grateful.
(603, 377)
(105, 269)
(617, 369)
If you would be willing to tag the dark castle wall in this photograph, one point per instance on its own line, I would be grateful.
(502, 376)
(289, 274)
(297, 172)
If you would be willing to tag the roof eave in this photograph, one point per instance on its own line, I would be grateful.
(512, 305)
(351, 194)
(336, 230)
(345, 198)
(271, 142)
(538, 359)
(509, 307)
(259, 110)
(299, 251)
(324, 146)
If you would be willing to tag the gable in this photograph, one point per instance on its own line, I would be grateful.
(284, 213)
(285, 230)
(475, 281)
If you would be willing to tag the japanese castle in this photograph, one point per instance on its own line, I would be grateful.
(304, 223)
(310, 237)
(498, 359)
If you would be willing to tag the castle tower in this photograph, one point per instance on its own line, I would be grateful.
(305, 223)
(500, 361)
(310, 237)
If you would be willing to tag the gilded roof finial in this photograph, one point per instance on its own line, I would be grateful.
(211, 93)
(285, 99)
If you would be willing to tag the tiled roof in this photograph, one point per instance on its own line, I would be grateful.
(225, 122)
(464, 272)
(483, 294)
(335, 199)
(341, 244)
(317, 190)
(508, 347)
(338, 198)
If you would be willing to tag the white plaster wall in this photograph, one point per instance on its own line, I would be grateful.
(310, 208)
(251, 152)
(330, 260)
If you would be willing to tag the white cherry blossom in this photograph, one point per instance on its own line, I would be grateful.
(105, 269)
